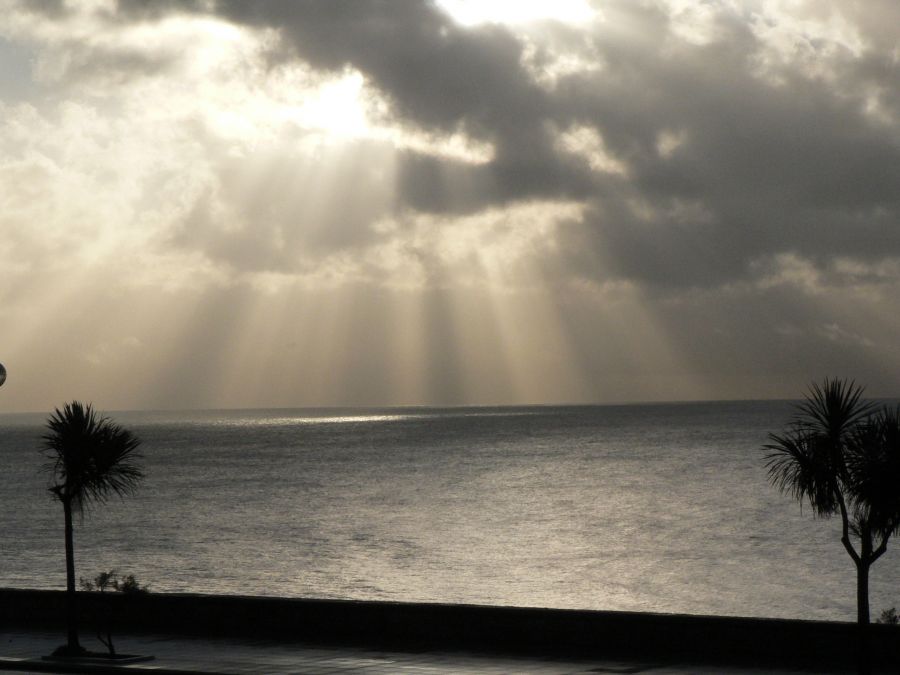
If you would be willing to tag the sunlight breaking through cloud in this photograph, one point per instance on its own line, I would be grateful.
(259, 202)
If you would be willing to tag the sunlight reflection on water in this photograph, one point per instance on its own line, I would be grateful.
(256, 421)
(342, 419)
(663, 508)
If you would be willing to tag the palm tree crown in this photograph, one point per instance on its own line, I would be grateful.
(91, 457)
(873, 463)
(809, 461)
(833, 408)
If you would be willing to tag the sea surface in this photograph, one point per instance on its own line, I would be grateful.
(662, 508)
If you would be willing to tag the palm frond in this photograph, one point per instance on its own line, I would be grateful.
(800, 464)
(90, 458)
(873, 462)
(833, 408)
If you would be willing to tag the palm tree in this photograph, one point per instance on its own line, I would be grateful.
(844, 458)
(90, 459)
(873, 469)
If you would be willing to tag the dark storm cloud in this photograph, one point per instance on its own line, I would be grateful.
(442, 185)
(148, 10)
(772, 157)
(436, 73)
(440, 77)
(763, 168)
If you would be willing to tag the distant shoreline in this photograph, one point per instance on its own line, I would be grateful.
(421, 408)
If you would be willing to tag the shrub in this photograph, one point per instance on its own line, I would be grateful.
(889, 616)
(111, 582)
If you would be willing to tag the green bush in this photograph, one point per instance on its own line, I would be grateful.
(889, 616)
(111, 582)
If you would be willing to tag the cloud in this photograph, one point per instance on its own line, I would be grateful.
(435, 72)
(748, 132)
(723, 174)
(702, 137)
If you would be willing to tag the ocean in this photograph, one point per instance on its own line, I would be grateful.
(662, 508)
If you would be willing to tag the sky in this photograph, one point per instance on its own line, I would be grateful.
(255, 203)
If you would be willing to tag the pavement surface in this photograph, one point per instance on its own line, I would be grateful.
(21, 652)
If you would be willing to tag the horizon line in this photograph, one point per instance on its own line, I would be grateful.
(440, 406)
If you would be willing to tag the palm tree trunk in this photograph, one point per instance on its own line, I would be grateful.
(862, 614)
(71, 600)
(862, 592)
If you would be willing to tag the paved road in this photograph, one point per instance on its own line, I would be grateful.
(20, 652)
